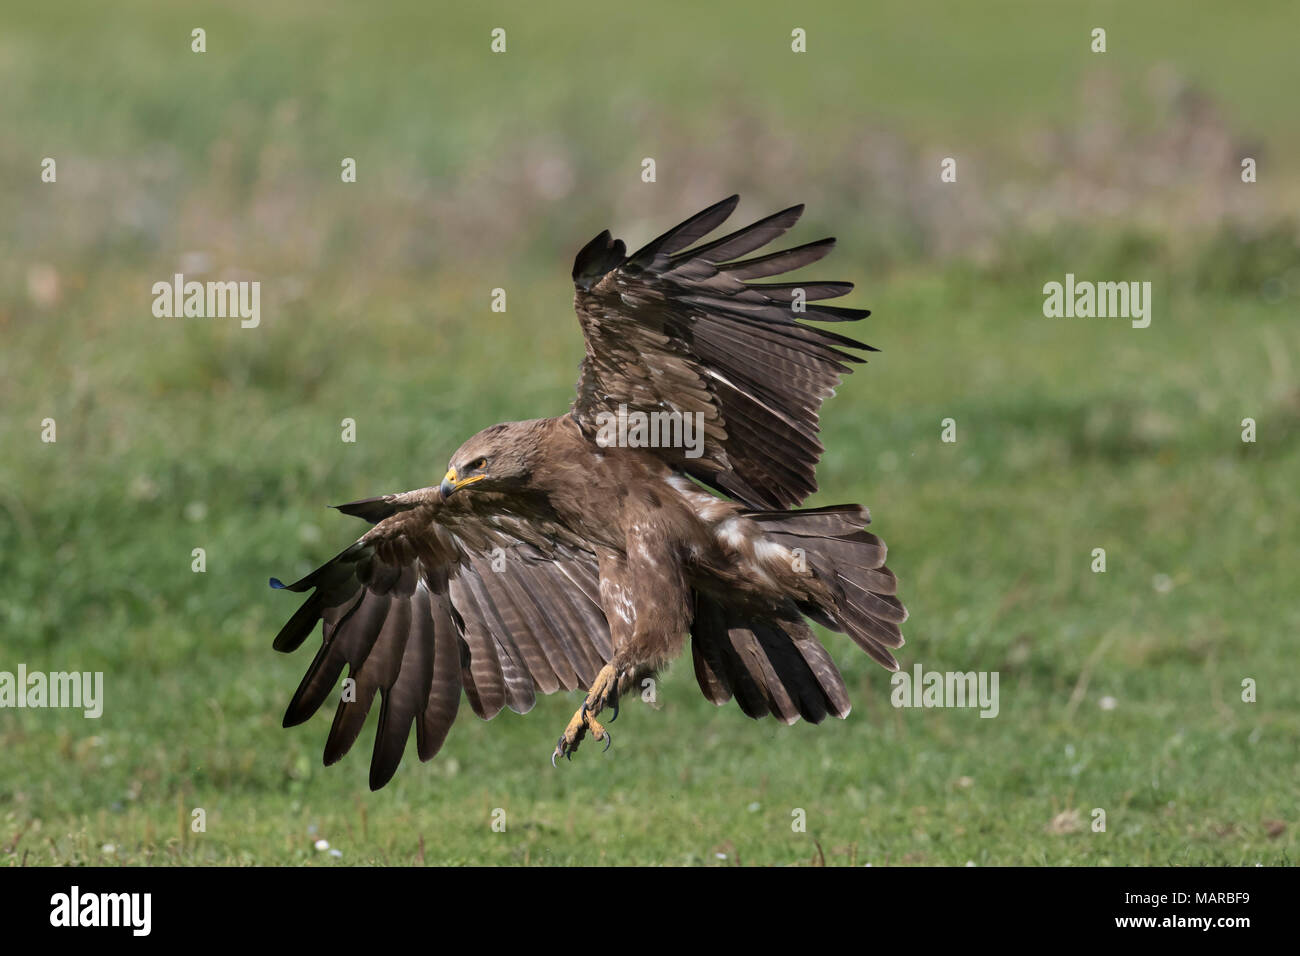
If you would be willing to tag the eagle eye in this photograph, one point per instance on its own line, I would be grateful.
(478, 465)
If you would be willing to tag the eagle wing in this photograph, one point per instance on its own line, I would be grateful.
(424, 605)
(686, 332)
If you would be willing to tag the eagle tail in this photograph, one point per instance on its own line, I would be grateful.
(862, 593)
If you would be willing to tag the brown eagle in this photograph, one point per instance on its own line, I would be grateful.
(579, 551)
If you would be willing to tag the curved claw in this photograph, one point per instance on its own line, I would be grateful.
(615, 717)
(609, 739)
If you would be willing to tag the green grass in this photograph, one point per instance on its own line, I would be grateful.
(1072, 434)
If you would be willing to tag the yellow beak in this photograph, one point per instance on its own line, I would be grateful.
(451, 484)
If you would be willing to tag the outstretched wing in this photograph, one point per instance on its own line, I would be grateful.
(686, 332)
(424, 605)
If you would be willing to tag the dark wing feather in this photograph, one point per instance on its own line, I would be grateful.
(669, 330)
(417, 612)
(772, 664)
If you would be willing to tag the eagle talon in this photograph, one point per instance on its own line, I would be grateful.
(560, 751)
(584, 721)
(599, 732)
(573, 734)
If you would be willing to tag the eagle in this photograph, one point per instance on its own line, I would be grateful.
(579, 552)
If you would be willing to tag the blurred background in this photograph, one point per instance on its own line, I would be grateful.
(1120, 691)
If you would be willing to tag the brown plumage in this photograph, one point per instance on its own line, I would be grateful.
(559, 553)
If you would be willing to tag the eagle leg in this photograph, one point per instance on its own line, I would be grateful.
(604, 693)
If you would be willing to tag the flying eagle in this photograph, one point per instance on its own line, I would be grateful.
(562, 553)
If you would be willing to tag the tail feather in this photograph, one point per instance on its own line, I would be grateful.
(858, 593)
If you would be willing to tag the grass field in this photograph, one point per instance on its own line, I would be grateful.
(1120, 691)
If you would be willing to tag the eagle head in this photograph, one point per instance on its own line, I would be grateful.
(499, 457)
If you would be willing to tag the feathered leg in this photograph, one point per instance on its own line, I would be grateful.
(648, 605)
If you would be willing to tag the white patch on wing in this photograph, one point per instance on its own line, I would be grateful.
(706, 507)
(732, 535)
(739, 535)
(766, 550)
(754, 552)
(681, 484)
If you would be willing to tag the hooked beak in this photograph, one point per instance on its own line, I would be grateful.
(450, 483)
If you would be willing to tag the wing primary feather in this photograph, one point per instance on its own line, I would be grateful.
(683, 234)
